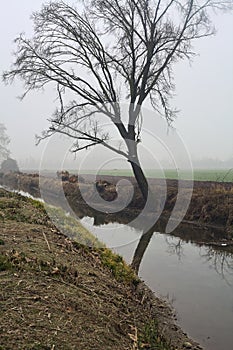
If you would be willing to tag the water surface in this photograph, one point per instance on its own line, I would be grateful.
(198, 281)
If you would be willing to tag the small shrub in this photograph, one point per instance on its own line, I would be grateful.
(150, 339)
(4, 263)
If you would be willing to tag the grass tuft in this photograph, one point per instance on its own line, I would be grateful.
(5, 264)
(149, 338)
(120, 270)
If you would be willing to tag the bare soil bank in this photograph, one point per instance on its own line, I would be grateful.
(57, 294)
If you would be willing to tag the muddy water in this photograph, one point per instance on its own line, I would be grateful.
(198, 281)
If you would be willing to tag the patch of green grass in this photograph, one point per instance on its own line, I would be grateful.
(16, 216)
(4, 204)
(37, 204)
(218, 175)
(1, 243)
(5, 264)
(149, 338)
(21, 209)
(120, 270)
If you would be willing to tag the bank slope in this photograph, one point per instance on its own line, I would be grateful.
(59, 294)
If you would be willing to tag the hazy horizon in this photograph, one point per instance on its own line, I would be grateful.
(203, 95)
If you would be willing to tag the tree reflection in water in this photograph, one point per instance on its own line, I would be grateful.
(140, 250)
(175, 246)
(220, 260)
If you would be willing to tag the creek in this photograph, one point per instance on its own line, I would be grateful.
(196, 279)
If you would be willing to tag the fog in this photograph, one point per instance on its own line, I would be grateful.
(203, 96)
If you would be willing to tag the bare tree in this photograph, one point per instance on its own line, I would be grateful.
(4, 142)
(130, 43)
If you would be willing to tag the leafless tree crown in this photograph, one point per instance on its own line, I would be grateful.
(120, 45)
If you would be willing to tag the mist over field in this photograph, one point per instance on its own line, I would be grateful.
(203, 96)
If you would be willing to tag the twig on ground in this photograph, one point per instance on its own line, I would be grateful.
(47, 242)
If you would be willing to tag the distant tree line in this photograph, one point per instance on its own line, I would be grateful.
(7, 164)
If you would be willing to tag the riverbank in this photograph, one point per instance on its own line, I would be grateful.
(59, 294)
(211, 205)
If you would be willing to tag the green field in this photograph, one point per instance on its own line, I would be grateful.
(219, 175)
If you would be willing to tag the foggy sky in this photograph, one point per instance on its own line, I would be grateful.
(204, 91)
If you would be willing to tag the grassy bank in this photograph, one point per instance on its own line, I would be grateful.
(58, 293)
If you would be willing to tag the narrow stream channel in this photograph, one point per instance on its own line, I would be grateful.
(198, 281)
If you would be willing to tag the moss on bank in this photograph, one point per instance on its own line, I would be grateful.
(120, 270)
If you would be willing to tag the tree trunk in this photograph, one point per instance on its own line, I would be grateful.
(136, 166)
(140, 178)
